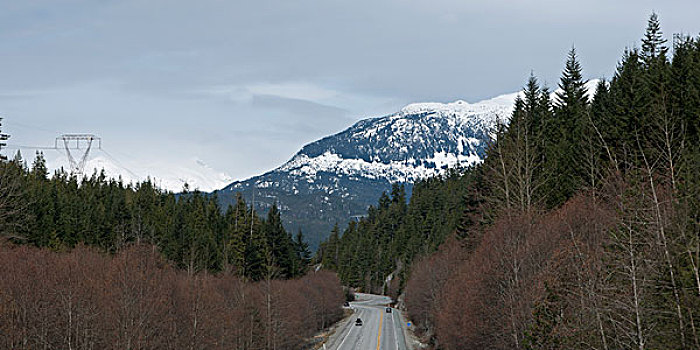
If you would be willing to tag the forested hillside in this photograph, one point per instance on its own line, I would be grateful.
(394, 232)
(580, 230)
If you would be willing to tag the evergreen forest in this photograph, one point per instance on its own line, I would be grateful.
(189, 228)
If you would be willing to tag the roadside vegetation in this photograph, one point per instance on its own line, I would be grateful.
(134, 299)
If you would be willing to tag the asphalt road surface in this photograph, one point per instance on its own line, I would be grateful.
(380, 329)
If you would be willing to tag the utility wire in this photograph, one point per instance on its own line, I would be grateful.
(119, 163)
(28, 147)
(9, 123)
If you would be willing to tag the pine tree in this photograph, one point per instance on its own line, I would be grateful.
(685, 77)
(303, 255)
(573, 97)
(597, 134)
(13, 214)
(233, 244)
(279, 243)
(570, 115)
(330, 249)
(653, 43)
(628, 104)
(256, 248)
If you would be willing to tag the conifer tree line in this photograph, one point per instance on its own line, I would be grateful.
(189, 228)
(386, 240)
(581, 228)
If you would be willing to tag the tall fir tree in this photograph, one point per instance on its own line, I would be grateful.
(622, 125)
(303, 254)
(653, 43)
(279, 242)
(570, 115)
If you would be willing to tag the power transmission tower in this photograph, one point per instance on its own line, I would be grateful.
(77, 166)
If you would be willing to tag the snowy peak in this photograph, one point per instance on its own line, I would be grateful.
(485, 110)
(421, 140)
(335, 179)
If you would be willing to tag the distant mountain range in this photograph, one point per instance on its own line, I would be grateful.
(335, 179)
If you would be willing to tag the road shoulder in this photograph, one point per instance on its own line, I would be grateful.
(329, 332)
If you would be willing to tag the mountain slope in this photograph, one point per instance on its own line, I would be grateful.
(336, 178)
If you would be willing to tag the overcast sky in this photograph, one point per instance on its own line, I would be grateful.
(242, 85)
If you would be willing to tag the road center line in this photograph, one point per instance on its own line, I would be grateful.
(379, 337)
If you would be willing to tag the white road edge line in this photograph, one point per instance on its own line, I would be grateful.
(346, 336)
(393, 325)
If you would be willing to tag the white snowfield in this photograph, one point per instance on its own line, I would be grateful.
(306, 167)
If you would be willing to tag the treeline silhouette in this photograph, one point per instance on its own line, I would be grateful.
(135, 299)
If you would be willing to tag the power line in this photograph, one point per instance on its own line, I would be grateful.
(29, 147)
(12, 124)
(119, 163)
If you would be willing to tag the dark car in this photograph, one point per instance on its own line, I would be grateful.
(388, 310)
(358, 322)
(346, 304)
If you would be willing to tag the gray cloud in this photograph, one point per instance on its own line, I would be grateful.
(311, 115)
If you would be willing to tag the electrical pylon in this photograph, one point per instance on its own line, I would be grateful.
(77, 166)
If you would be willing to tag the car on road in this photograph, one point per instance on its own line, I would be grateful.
(358, 322)
(346, 304)
(388, 310)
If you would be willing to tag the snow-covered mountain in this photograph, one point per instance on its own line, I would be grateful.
(421, 140)
(336, 178)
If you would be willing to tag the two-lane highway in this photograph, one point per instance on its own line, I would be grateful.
(379, 330)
